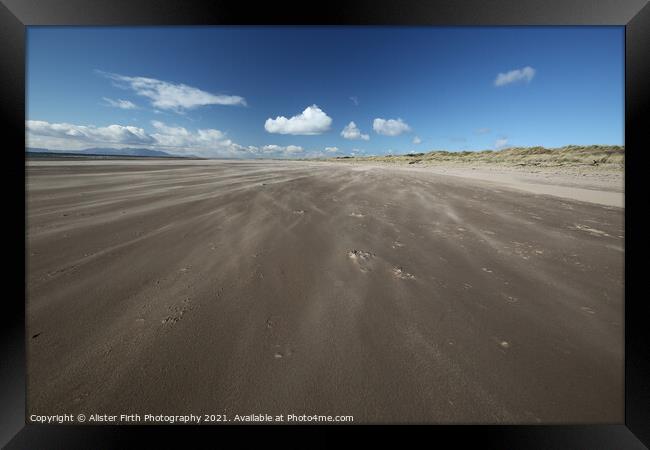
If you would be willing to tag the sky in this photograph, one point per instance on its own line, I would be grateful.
(256, 92)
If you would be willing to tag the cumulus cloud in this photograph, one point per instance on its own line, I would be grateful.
(501, 142)
(119, 103)
(417, 140)
(280, 151)
(293, 149)
(312, 120)
(170, 96)
(272, 148)
(112, 134)
(390, 127)
(524, 74)
(180, 137)
(173, 139)
(351, 131)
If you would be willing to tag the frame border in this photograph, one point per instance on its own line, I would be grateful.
(16, 15)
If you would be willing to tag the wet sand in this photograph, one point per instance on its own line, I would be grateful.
(268, 287)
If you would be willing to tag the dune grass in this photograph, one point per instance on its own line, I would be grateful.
(603, 156)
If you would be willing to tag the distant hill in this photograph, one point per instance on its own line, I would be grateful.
(137, 152)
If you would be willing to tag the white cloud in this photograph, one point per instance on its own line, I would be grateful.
(417, 140)
(525, 74)
(351, 131)
(312, 120)
(169, 96)
(354, 100)
(272, 148)
(119, 103)
(390, 127)
(181, 138)
(175, 140)
(293, 149)
(501, 142)
(279, 151)
(282, 149)
(482, 131)
(112, 134)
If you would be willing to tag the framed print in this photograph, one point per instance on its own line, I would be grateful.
(397, 217)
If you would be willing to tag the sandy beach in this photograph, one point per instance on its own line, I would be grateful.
(393, 294)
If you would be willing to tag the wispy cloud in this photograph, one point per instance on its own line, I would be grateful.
(354, 100)
(500, 143)
(311, 121)
(524, 74)
(119, 103)
(482, 131)
(416, 140)
(331, 149)
(171, 96)
(351, 131)
(390, 127)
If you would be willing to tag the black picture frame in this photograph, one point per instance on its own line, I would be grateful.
(15, 15)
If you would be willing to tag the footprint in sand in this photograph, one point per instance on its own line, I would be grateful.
(399, 272)
(587, 309)
(299, 212)
(357, 215)
(283, 354)
(177, 312)
(362, 258)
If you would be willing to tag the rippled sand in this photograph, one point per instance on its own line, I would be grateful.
(321, 288)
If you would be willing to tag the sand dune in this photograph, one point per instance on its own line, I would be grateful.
(274, 287)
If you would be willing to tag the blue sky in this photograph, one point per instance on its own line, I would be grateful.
(291, 91)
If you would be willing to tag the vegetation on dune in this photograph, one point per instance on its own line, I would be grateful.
(606, 156)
